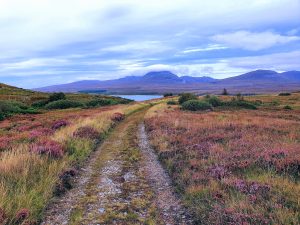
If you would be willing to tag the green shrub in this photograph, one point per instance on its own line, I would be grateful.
(186, 97)
(171, 102)
(64, 104)
(101, 102)
(57, 96)
(40, 104)
(258, 102)
(287, 107)
(241, 104)
(285, 94)
(8, 108)
(213, 100)
(196, 105)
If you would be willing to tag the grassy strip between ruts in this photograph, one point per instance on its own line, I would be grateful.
(134, 197)
(27, 180)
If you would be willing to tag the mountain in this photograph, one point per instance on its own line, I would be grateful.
(291, 75)
(158, 82)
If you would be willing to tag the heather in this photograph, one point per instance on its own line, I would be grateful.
(233, 166)
(39, 155)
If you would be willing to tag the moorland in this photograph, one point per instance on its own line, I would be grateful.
(77, 158)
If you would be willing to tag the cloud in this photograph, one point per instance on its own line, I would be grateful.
(47, 40)
(210, 47)
(253, 41)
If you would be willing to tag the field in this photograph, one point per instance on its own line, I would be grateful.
(231, 160)
(233, 166)
(61, 140)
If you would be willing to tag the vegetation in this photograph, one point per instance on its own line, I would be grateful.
(196, 105)
(38, 153)
(168, 94)
(213, 100)
(172, 102)
(284, 94)
(186, 97)
(225, 92)
(57, 96)
(64, 104)
(9, 108)
(233, 168)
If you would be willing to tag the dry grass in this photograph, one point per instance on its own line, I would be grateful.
(27, 179)
(233, 166)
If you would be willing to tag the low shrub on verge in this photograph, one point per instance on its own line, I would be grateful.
(48, 147)
(87, 132)
(65, 182)
(59, 124)
(117, 117)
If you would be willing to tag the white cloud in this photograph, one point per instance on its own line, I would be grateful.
(210, 47)
(34, 25)
(253, 40)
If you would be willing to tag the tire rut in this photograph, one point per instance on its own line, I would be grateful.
(168, 203)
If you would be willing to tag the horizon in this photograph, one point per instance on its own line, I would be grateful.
(47, 43)
(159, 71)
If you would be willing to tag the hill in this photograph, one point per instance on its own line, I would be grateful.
(158, 82)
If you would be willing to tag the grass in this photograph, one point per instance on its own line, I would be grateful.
(233, 166)
(125, 151)
(28, 180)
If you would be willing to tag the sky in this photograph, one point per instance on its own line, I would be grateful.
(46, 42)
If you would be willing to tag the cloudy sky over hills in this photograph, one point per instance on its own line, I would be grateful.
(45, 42)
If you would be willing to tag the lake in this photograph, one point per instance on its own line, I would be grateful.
(139, 98)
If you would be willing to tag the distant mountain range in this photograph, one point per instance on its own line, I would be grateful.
(158, 82)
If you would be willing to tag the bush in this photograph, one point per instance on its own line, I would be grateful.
(66, 182)
(59, 124)
(186, 97)
(48, 147)
(213, 100)
(287, 107)
(101, 102)
(117, 117)
(168, 94)
(57, 96)
(241, 104)
(87, 132)
(285, 94)
(40, 104)
(171, 102)
(196, 105)
(8, 108)
(63, 104)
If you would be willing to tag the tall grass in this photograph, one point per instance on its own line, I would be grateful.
(28, 179)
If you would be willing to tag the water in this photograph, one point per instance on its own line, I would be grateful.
(139, 98)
